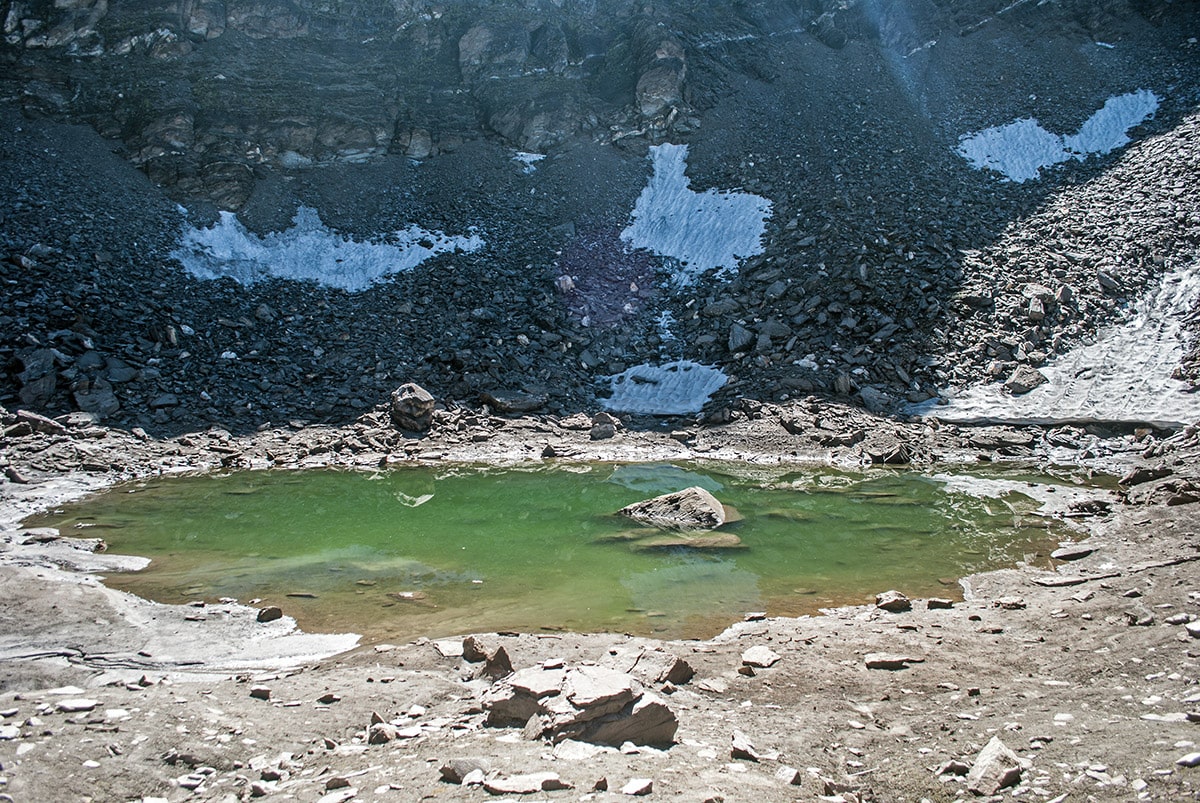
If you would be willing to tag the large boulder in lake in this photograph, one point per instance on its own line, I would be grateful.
(690, 509)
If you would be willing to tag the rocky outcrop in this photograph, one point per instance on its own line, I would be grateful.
(661, 84)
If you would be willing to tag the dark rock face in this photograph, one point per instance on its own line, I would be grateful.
(201, 88)
(876, 283)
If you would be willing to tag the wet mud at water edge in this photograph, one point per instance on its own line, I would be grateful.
(458, 549)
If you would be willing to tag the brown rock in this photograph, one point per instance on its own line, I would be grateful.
(412, 408)
(269, 613)
(884, 660)
(382, 733)
(525, 784)
(457, 769)
(893, 602)
(1024, 379)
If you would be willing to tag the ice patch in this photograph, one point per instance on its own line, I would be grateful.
(1021, 149)
(1125, 376)
(674, 388)
(309, 251)
(1053, 499)
(704, 231)
(1107, 129)
(528, 161)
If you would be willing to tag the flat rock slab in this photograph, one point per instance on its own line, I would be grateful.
(891, 661)
(1072, 552)
(526, 784)
(76, 705)
(638, 787)
(538, 682)
(685, 540)
(449, 648)
(760, 657)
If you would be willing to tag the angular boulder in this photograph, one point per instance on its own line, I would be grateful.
(650, 665)
(412, 408)
(690, 509)
(996, 767)
(893, 602)
(587, 704)
(1024, 379)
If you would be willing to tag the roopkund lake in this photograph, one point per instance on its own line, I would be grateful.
(458, 549)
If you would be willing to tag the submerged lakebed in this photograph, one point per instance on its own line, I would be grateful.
(439, 551)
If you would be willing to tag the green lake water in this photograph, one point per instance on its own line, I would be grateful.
(451, 550)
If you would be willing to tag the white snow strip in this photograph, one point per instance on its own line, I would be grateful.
(1053, 498)
(1020, 150)
(1125, 376)
(704, 231)
(309, 251)
(674, 388)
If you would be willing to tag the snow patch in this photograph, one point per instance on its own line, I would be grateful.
(1125, 376)
(528, 161)
(309, 251)
(1021, 149)
(1053, 499)
(704, 231)
(1107, 129)
(674, 388)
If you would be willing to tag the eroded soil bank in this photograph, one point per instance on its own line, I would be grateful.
(1087, 673)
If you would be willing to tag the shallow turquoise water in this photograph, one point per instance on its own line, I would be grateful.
(439, 551)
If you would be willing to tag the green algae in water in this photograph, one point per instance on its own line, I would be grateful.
(449, 550)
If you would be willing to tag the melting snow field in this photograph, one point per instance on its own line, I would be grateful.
(674, 388)
(702, 230)
(1021, 149)
(1124, 376)
(309, 251)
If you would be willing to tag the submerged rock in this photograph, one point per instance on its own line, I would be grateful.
(689, 540)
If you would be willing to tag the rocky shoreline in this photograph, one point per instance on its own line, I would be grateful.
(1085, 673)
